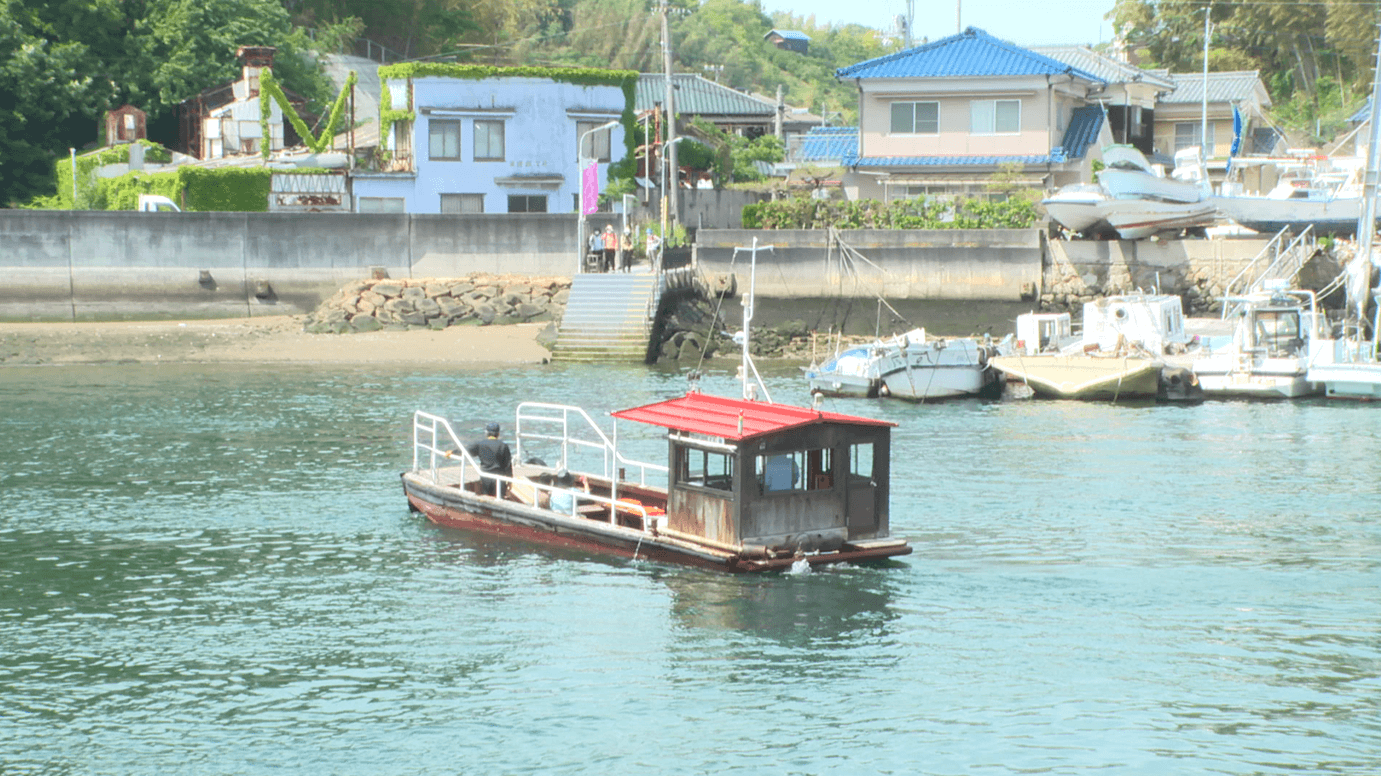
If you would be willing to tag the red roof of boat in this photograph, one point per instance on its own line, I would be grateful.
(735, 419)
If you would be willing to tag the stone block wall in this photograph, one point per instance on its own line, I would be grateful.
(435, 303)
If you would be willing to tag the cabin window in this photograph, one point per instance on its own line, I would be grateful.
(705, 469)
(861, 461)
(1278, 332)
(797, 470)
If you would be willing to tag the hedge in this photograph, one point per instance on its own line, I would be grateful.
(919, 213)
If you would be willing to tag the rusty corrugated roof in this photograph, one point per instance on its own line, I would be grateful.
(734, 419)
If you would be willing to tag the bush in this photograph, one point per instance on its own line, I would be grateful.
(919, 213)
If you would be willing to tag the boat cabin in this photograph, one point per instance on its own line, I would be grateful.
(1153, 322)
(750, 473)
(1043, 332)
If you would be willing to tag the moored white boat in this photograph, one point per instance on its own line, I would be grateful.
(850, 373)
(1275, 339)
(910, 366)
(1120, 354)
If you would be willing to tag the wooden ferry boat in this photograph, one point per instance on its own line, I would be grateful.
(748, 485)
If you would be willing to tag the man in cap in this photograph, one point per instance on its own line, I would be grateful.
(494, 458)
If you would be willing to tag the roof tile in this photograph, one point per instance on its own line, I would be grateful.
(972, 52)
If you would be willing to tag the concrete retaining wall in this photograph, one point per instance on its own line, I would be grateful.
(78, 265)
(989, 264)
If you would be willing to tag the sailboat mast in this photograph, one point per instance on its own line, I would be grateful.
(1366, 220)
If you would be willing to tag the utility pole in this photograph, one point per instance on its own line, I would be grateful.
(1204, 152)
(670, 194)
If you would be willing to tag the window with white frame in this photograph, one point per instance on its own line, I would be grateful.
(1187, 135)
(462, 203)
(443, 140)
(915, 118)
(488, 141)
(995, 117)
(596, 144)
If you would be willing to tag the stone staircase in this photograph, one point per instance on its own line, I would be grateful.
(608, 318)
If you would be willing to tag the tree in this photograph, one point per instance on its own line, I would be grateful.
(64, 62)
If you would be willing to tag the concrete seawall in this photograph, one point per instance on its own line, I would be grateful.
(82, 265)
(987, 264)
(89, 265)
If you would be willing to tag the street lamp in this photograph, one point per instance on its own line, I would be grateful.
(661, 249)
(580, 174)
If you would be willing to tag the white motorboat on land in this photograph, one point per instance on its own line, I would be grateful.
(1120, 354)
(1274, 341)
(910, 366)
(1132, 200)
(1324, 194)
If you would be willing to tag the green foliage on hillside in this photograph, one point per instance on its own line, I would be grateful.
(919, 213)
(1315, 58)
(63, 64)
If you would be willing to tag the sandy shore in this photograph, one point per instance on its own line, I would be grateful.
(265, 340)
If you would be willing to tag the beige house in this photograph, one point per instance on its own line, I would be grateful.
(1179, 114)
(942, 118)
(1131, 95)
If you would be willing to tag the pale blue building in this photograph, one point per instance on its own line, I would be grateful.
(471, 139)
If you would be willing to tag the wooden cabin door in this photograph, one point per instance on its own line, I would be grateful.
(862, 516)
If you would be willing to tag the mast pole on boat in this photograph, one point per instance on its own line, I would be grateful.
(1366, 220)
(747, 370)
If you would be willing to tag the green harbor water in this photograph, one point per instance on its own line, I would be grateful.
(212, 570)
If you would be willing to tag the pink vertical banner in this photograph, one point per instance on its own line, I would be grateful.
(589, 189)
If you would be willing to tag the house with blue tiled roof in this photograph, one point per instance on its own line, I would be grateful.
(943, 117)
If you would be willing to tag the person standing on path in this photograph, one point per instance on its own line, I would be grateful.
(611, 247)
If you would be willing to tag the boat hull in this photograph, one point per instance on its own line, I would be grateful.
(452, 507)
(939, 369)
(1336, 216)
(1086, 378)
(1223, 376)
(1349, 380)
(942, 382)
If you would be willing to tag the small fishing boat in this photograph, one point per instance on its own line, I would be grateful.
(1274, 341)
(850, 373)
(1120, 355)
(747, 485)
(910, 366)
(918, 368)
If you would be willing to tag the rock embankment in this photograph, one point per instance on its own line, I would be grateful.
(436, 303)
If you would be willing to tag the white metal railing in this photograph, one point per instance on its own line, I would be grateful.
(562, 415)
(1285, 261)
(426, 427)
